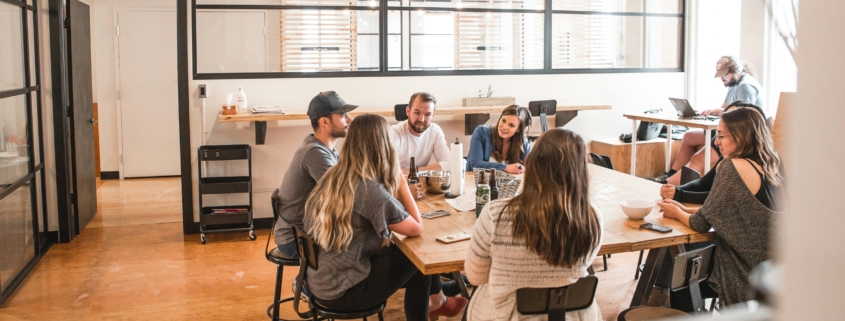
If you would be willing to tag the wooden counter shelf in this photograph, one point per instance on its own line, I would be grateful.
(473, 116)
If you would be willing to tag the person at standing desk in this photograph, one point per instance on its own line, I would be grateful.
(351, 214)
(742, 86)
(502, 146)
(546, 237)
(742, 206)
(418, 137)
(330, 121)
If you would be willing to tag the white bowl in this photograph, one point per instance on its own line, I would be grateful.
(636, 209)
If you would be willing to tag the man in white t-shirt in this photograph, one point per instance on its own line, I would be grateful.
(418, 137)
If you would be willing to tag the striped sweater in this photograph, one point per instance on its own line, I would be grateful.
(500, 265)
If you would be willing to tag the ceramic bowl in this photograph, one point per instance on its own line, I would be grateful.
(636, 209)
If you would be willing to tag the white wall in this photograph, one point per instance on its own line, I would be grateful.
(46, 97)
(627, 92)
(811, 250)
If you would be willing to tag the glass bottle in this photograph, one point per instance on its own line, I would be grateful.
(482, 194)
(412, 175)
(494, 185)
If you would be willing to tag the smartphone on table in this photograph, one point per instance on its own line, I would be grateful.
(656, 228)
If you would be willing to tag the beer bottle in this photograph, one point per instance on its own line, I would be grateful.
(494, 185)
(482, 193)
(412, 175)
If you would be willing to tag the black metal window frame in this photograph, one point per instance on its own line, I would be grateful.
(384, 71)
(35, 171)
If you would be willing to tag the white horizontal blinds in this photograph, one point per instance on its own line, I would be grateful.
(319, 40)
(587, 41)
(494, 40)
(584, 41)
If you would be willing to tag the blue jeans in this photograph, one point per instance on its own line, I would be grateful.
(289, 250)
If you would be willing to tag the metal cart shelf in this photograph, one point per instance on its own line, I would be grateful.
(229, 217)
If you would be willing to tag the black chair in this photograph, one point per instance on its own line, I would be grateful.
(689, 175)
(308, 257)
(555, 302)
(280, 260)
(689, 269)
(601, 160)
(399, 112)
(605, 162)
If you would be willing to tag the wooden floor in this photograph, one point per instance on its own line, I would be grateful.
(133, 263)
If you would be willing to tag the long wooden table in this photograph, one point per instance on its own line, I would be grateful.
(475, 115)
(707, 125)
(620, 234)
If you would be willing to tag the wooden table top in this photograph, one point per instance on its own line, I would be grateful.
(698, 123)
(445, 110)
(608, 188)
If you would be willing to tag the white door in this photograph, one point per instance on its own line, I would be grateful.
(148, 93)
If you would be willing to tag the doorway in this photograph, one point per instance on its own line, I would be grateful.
(147, 100)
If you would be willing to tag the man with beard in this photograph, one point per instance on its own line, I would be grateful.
(330, 121)
(418, 137)
(741, 87)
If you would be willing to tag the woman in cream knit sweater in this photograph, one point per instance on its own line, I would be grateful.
(545, 237)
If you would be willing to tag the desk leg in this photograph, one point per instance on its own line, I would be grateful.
(634, 148)
(668, 147)
(653, 263)
(460, 280)
(260, 132)
(706, 152)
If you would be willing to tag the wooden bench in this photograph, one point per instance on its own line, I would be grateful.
(651, 155)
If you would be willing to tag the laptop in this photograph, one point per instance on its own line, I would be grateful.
(683, 106)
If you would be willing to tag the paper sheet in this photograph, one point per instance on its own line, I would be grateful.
(465, 202)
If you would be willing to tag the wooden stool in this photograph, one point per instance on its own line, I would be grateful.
(645, 313)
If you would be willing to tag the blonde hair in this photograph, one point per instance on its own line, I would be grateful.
(367, 154)
(553, 216)
(753, 138)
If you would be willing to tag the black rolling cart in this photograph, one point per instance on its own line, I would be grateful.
(229, 217)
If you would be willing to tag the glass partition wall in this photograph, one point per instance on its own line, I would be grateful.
(331, 38)
(23, 221)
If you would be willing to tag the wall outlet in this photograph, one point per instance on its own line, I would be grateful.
(203, 91)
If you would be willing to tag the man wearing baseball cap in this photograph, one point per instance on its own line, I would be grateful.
(741, 87)
(330, 121)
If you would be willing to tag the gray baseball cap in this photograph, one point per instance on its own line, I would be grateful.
(328, 102)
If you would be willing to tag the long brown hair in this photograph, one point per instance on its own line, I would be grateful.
(553, 216)
(366, 154)
(753, 138)
(515, 152)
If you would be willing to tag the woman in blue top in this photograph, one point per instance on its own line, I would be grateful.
(502, 146)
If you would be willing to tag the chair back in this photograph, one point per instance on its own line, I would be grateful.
(601, 160)
(543, 108)
(399, 112)
(557, 301)
(307, 257)
(691, 268)
(276, 203)
(689, 175)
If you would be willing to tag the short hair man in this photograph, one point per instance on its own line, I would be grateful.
(741, 87)
(330, 121)
(418, 137)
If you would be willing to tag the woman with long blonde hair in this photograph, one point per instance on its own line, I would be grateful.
(742, 204)
(547, 236)
(351, 214)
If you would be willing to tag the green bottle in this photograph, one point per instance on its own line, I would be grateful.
(482, 194)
